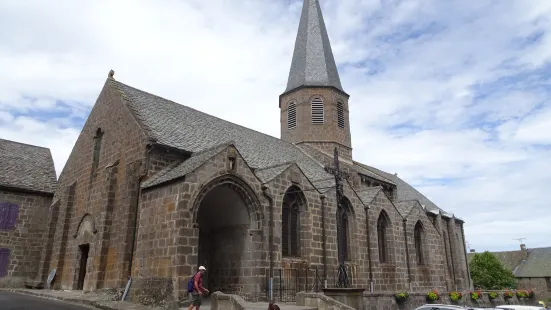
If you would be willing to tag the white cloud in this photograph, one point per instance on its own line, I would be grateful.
(468, 83)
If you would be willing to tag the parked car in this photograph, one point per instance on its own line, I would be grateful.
(519, 307)
(447, 307)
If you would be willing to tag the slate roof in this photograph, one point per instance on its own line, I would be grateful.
(267, 174)
(405, 207)
(405, 192)
(535, 264)
(311, 150)
(184, 128)
(313, 62)
(181, 127)
(26, 167)
(538, 264)
(179, 170)
(367, 195)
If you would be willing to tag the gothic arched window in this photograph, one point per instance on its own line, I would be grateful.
(97, 150)
(318, 116)
(382, 233)
(419, 236)
(293, 203)
(340, 114)
(343, 234)
(292, 116)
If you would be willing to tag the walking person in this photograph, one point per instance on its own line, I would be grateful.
(198, 289)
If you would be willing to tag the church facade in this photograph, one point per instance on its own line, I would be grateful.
(153, 189)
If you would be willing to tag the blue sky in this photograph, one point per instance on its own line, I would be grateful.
(454, 96)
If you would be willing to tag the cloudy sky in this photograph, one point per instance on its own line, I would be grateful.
(454, 96)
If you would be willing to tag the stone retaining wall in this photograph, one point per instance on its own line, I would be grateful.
(320, 301)
(388, 302)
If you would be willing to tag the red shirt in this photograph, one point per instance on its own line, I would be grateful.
(198, 283)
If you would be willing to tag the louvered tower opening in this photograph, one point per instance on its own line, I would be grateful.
(317, 111)
(292, 116)
(340, 114)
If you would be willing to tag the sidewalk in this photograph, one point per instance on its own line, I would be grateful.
(95, 300)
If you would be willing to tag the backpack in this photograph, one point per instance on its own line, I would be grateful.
(191, 284)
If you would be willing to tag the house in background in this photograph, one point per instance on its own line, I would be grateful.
(531, 267)
(27, 184)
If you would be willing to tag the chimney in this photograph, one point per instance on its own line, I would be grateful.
(524, 250)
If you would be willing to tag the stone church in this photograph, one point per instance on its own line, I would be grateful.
(153, 188)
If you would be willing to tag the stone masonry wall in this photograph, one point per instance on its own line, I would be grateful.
(102, 200)
(541, 286)
(391, 276)
(168, 239)
(26, 240)
(431, 274)
(305, 131)
(310, 246)
(388, 302)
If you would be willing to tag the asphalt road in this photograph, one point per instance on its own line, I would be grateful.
(13, 301)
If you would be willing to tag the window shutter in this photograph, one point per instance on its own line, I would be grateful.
(4, 261)
(13, 211)
(294, 235)
(292, 116)
(340, 114)
(4, 213)
(317, 111)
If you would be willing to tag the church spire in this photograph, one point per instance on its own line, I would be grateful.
(313, 63)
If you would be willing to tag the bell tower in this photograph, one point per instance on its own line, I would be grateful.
(314, 107)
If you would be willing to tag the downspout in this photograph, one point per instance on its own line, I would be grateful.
(404, 224)
(265, 189)
(371, 287)
(323, 238)
(149, 148)
(466, 261)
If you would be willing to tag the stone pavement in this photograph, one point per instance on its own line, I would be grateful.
(90, 299)
(101, 301)
(12, 301)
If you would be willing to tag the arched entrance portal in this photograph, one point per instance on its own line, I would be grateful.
(225, 215)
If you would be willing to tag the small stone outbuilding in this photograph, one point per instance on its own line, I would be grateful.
(27, 186)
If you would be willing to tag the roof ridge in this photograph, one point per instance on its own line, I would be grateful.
(368, 168)
(206, 114)
(378, 187)
(214, 147)
(136, 116)
(25, 144)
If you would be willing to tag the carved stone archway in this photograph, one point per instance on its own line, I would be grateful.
(228, 216)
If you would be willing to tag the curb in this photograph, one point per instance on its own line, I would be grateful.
(85, 302)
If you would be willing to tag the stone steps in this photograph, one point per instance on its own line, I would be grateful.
(253, 306)
(264, 306)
